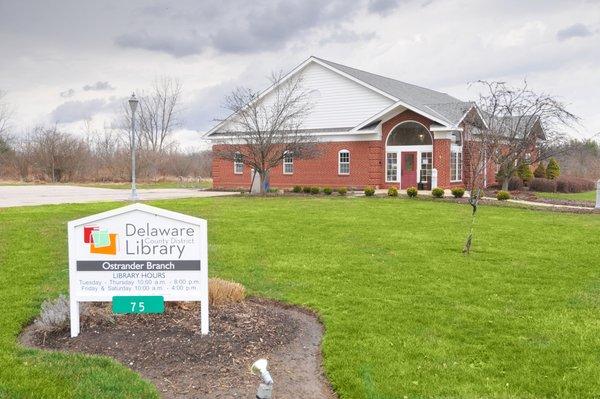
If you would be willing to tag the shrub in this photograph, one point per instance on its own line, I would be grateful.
(524, 172)
(437, 192)
(327, 191)
(54, 315)
(297, 189)
(543, 185)
(552, 170)
(221, 292)
(273, 190)
(369, 191)
(568, 184)
(502, 195)
(306, 190)
(540, 171)
(458, 192)
(315, 190)
(515, 183)
(392, 192)
(412, 192)
(342, 190)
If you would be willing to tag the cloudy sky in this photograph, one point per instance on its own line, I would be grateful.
(67, 61)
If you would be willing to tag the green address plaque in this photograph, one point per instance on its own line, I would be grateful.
(138, 304)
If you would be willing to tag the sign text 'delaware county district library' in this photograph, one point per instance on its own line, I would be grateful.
(138, 250)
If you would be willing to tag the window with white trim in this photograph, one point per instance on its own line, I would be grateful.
(426, 166)
(288, 163)
(238, 164)
(344, 162)
(456, 166)
(392, 166)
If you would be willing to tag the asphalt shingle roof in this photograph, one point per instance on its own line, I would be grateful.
(445, 107)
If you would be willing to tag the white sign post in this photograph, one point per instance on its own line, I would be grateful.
(138, 251)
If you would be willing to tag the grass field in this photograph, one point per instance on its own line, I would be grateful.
(585, 196)
(406, 314)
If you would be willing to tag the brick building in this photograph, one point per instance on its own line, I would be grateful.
(372, 131)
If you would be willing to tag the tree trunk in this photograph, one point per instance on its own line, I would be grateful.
(264, 181)
(505, 184)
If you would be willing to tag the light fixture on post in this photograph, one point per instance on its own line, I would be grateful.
(133, 103)
(265, 388)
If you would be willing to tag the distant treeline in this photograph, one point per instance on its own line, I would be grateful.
(50, 155)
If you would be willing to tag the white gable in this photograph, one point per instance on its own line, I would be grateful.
(337, 100)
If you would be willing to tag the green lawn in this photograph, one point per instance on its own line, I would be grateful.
(585, 196)
(407, 315)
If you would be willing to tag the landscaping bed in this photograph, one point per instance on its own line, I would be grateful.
(168, 349)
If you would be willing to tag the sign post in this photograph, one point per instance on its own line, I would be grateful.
(137, 257)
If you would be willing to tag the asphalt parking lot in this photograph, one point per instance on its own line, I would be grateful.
(16, 195)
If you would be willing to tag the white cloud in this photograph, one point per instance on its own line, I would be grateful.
(212, 47)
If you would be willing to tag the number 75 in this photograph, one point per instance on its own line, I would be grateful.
(140, 306)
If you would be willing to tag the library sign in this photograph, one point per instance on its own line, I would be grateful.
(137, 257)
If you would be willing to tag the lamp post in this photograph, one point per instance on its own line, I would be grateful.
(133, 103)
(598, 194)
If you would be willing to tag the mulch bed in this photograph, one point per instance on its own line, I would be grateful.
(169, 350)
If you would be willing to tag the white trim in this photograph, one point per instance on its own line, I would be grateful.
(397, 167)
(284, 163)
(235, 165)
(446, 129)
(340, 163)
(398, 102)
(454, 149)
(401, 123)
(263, 93)
(405, 105)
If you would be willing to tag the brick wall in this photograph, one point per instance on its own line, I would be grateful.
(320, 172)
(367, 164)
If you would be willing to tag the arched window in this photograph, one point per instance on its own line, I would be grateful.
(409, 133)
(344, 162)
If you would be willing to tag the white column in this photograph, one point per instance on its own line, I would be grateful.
(433, 178)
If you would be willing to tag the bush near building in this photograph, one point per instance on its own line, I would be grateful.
(412, 192)
(553, 169)
(369, 191)
(524, 172)
(502, 195)
(437, 192)
(540, 171)
(458, 192)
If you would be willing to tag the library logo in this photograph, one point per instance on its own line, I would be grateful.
(100, 241)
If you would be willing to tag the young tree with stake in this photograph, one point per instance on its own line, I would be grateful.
(516, 125)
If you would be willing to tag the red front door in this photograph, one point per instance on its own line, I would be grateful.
(408, 169)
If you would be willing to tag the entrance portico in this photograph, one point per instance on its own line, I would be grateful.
(409, 155)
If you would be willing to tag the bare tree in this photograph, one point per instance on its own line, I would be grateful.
(57, 154)
(522, 125)
(158, 115)
(261, 131)
(516, 125)
(5, 116)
